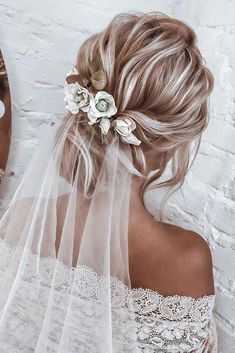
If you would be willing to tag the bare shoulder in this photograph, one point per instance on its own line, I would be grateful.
(194, 262)
(170, 260)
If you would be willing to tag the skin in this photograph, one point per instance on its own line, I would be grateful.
(163, 257)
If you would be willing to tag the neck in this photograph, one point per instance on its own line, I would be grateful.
(137, 207)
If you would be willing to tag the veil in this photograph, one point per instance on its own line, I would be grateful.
(64, 269)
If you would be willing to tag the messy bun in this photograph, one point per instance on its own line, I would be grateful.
(158, 77)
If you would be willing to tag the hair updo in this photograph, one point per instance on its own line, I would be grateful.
(158, 77)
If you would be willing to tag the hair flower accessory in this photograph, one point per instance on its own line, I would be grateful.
(100, 108)
(77, 97)
(124, 127)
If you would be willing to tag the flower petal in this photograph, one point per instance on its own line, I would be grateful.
(131, 123)
(131, 139)
(67, 89)
(72, 91)
(123, 130)
(72, 107)
(104, 125)
(91, 117)
(112, 109)
(85, 108)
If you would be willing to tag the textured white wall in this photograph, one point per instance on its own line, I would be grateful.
(39, 41)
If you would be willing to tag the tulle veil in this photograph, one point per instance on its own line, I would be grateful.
(64, 269)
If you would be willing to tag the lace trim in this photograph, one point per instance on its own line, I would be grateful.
(48, 263)
(164, 323)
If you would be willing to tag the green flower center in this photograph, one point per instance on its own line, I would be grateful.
(79, 97)
(102, 105)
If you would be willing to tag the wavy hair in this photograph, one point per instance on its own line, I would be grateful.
(158, 77)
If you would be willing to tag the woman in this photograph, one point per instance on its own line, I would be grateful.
(85, 267)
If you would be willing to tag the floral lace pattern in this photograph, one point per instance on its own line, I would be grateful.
(72, 300)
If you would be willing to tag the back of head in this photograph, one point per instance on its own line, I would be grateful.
(158, 77)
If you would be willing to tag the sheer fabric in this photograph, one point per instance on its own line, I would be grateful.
(64, 271)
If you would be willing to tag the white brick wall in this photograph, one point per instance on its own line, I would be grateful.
(39, 41)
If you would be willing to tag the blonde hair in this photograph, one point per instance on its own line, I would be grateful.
(157, 76)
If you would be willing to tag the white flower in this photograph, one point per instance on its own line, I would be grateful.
(102, 105)
(99, 108)
(104, 125)
(124, 127)
(76, 97)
